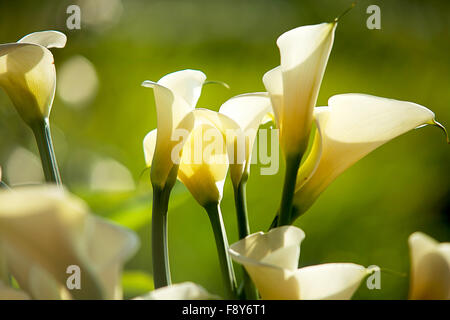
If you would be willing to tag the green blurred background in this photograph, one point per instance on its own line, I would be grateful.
(101, 114)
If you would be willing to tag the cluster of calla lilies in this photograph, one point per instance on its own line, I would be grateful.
(45, 229)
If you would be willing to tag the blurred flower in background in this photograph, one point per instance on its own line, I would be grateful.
(77, 82)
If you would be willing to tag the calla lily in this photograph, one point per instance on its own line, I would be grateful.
(348, 129)
(249, 111)
(294, 85)
(27, 73)
(176, 95)
(271, 259)
(204, 176)
(430, 268)
(203, 166)
(179, 291)
(44, 230)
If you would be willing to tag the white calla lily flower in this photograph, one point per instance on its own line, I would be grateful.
(44, 230)
(204, 173)
(180, 291)
(348, 129)
(271, 259)
(27, 73)
(430, 268)
(294, 85)
(176, 95)
(238, 119)
(249, 111)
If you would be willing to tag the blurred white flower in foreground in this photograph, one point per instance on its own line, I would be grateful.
(430, 268)
(23, 167)
(44, 230)
(179, 291)
(271, 259)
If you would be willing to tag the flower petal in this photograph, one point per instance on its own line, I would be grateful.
(176, 95)
(46, 230)
(110, 246)
(48, 39)
(336, 281)
(186, 84)
(280, 247)
(304, 55)
(273, 81)
(204, 162)
(248, 111)
(27, 74)
(351, 127)
(179, 291)
(149, 147)
(430, 268)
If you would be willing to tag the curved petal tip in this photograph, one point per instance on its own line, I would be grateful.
(148, 84)
(48, 39)
(224, 84)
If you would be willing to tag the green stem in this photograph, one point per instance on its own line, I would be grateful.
(292, 165)
(240, 202)
(274, 223)
(220, 236)
(160, 251)
(41, 130)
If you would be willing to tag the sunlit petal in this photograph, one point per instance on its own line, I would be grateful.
(204, 160)
(273, 81)
(176, 95)
(249, 111)
(46, 230)
(271, 260)
(304, 55)
(27, 74)
(430, 268)
(149, 147)
(351, 127)
(330, 281)
(179, 291)
(48, 39)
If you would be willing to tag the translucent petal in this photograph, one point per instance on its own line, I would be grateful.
(304, 55)
(430, 268)
(27, 74)
(48, 39)
(351, 127)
